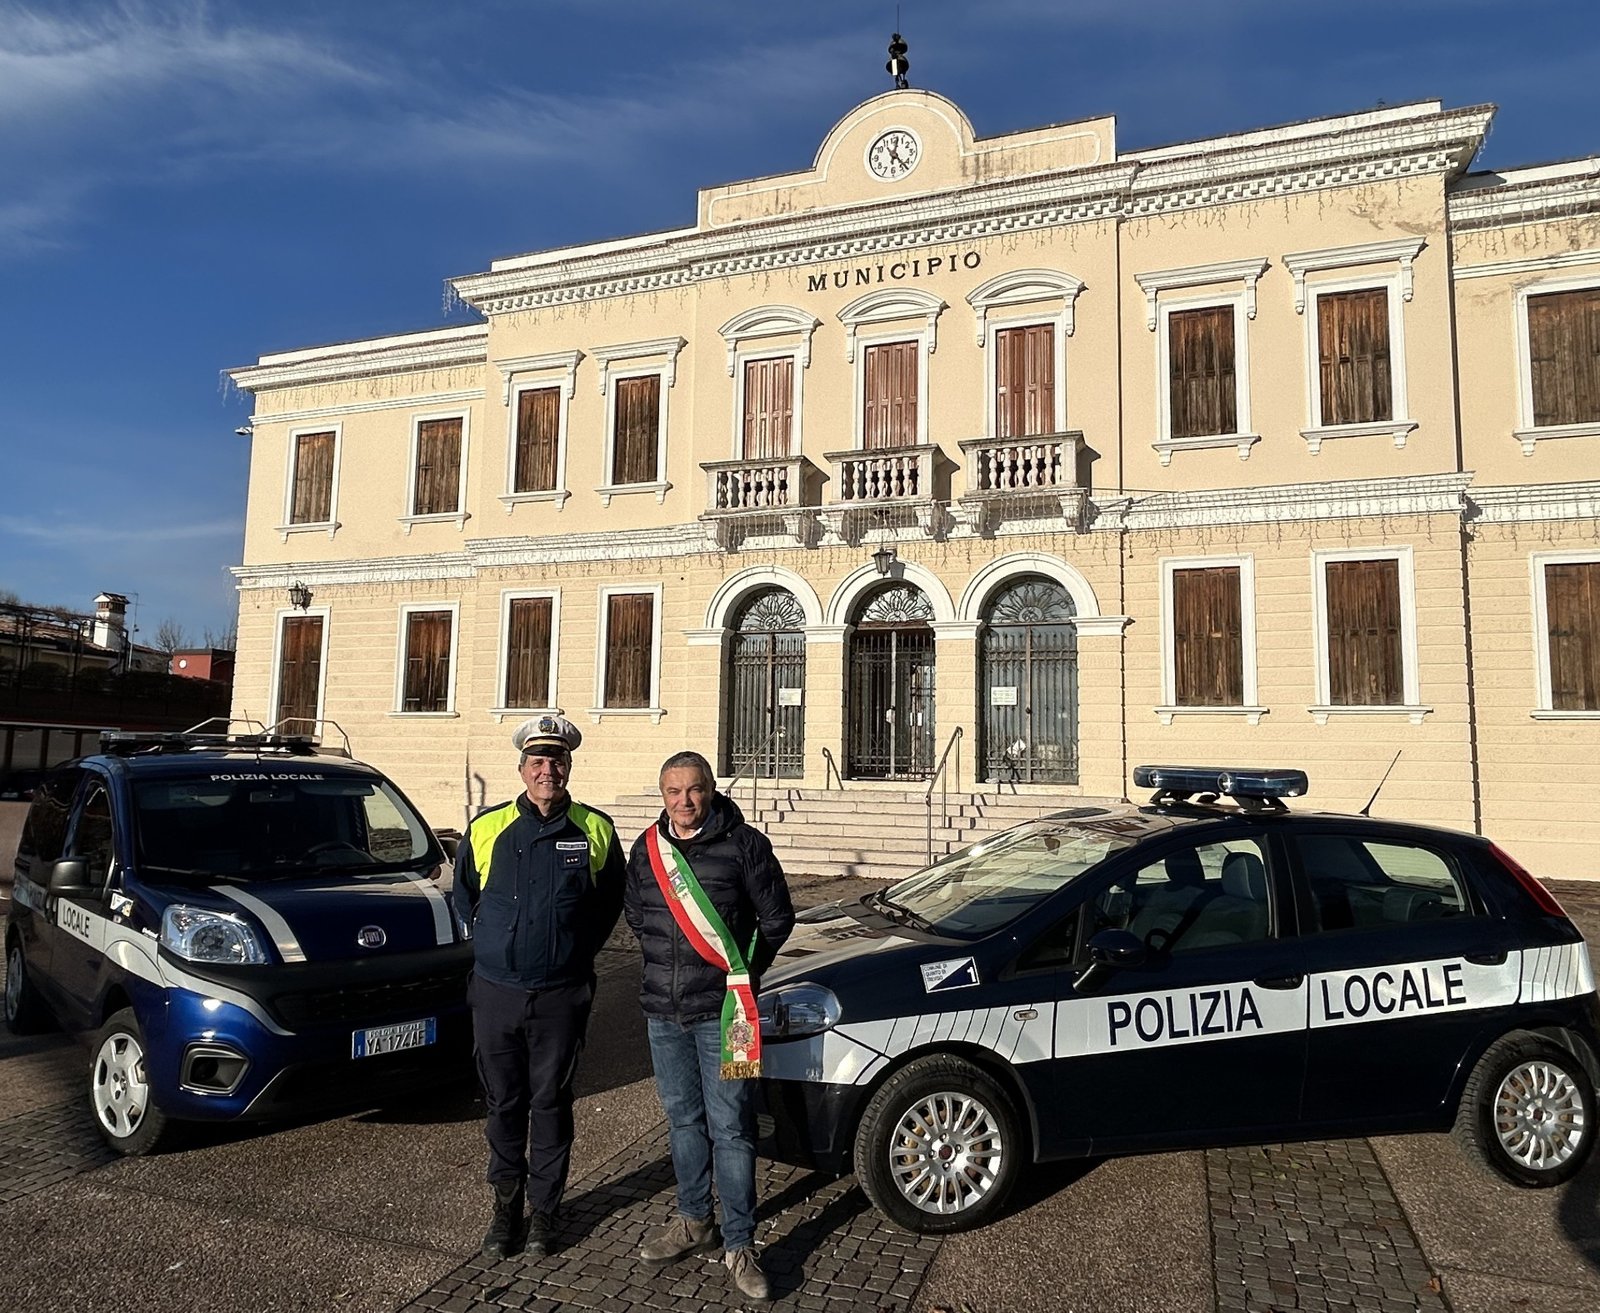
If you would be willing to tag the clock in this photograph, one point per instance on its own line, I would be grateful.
(894, 154)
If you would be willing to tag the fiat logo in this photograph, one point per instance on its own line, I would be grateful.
(371, 936)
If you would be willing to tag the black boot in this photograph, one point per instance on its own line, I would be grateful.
(504, 1236)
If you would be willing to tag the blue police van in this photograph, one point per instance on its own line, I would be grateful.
(245, 925)
(1209, 968)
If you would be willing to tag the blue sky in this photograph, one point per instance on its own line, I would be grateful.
(186, 185)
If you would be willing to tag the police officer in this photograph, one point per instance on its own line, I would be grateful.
(539, 882)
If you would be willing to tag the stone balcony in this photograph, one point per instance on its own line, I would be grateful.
(1024, 478)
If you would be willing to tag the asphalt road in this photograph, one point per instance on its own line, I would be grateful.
(383, 1210)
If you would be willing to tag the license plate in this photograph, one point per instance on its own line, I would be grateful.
(376, 1040)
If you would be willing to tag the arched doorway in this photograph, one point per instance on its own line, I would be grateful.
(1028, 684)
(765, 682)
(889, 709)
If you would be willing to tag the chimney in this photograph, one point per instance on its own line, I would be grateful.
(110, 621)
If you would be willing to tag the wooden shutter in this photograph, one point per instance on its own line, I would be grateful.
(438, 488)
(538, 427)
(1025, 381)
(637, 430)
(628, 639)
(768, 408)
(528, 653)
(1572, 605)
(1564, 356)
(1364, 661)
(427, 661)
(1201, 383)
(313, 479)
(1353, 343)
(299, 669)
(1207, 638)
(890, 418)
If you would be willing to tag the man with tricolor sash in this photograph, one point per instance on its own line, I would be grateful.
(710, 906)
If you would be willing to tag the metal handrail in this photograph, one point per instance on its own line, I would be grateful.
(941, 779)
(755, 780)
(830, 766)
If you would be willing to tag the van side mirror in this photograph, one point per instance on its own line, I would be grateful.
(70, 875)
(1116, 948)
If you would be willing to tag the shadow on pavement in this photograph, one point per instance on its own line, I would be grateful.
(1579, 1213)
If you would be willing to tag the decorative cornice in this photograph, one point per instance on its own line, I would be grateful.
(1423, 494)
(564, 361)
(415, 353)
(566, 548)
(1202, 275)
(410, 401)
(1532, 503)
(378, 570)
(1567, 196)
(1532, 264)
(1401, 249)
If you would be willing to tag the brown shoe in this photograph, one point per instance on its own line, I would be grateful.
(746, 1274)
(679, 1238)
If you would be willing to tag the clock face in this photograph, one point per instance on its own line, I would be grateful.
(894, 154)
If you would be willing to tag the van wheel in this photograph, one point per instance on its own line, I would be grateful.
(939, 1146)
(25, 1010)
(119, 1088)
(1527, 1112)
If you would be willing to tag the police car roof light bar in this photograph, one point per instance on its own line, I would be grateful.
(1250, 786)
(126, 743)
(312, 731)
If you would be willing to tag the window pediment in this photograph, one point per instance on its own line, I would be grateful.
(1023, 287)
(891, 304)
(770, 321)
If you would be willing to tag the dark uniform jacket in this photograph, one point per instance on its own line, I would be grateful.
(737, 868)
(541, 896)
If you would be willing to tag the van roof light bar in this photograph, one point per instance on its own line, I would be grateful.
(1250, 786)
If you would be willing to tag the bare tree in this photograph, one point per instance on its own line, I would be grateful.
(224, 640)
(171, 636)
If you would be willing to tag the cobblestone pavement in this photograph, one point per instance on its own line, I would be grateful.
(1313, 1226)
(47, 1145)
(824, 1249)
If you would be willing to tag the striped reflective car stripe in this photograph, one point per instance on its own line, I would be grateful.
(288, 946)
(442, 931)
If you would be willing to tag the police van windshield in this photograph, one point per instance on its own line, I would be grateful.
(981, 888)
(259, 825)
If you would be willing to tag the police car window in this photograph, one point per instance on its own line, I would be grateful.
(44, 833)
(92, 835)
(1211, 895)
(1360, 884)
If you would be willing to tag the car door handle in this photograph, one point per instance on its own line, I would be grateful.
(1280, 982)
(1490, 959)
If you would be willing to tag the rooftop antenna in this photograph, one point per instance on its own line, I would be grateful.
(1367, 810)
(898, 65)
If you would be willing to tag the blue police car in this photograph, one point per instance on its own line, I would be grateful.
(1205, 969)
(245, 925)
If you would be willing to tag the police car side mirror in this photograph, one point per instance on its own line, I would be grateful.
(70, 875)
(449, 840)
(1116, 948)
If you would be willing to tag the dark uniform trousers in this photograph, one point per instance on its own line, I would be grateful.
(526, 1044)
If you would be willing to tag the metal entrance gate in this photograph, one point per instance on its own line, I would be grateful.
(766, 679)
(890, 709)
(1029, 685)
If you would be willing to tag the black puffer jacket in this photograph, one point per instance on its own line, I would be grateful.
(737, 868)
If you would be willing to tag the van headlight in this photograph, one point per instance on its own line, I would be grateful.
(199, 934)
(794, 1011)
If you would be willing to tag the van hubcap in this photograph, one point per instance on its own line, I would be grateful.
(1539, 1115)
(119, 1086)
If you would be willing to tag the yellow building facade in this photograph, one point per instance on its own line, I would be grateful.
(1279, 448)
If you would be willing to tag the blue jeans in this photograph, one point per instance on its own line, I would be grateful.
(710, 1121)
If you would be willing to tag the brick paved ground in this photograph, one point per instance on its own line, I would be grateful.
(47, 1145)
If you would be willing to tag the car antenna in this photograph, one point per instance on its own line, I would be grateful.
(1367, 810)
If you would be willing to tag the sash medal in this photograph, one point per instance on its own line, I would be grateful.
(710, 938)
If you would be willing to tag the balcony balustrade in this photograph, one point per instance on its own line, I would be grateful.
(764, 486)
(882, 474)
(1005, 473)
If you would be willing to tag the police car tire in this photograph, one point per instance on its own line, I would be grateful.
(25, 1010)
(1560, 1073)
(918, 1082)
(122, 1030)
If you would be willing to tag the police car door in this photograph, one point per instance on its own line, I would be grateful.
(1207, 1033)
(44, 840)
(1405, 968)
(80, 918)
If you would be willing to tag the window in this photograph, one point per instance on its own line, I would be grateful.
(889, 409)
(636, 430)
(768, 408)
(436, 482)
(538, 441)
(1564, 357)
(528, 677)
(1567, 627)
(627, 662)
(427, 660)
(1365, 622)
(44, 832)
(1202, 392)
(92, 836)
(1025, 381)
(1213, 895)
(1208, 623)
(311, 496)
(299, 680)
(1362, 885)
(1353, 356)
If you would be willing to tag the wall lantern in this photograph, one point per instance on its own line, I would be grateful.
(299, 596)
(883, 559)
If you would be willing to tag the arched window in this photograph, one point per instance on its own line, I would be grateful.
(1028, 684)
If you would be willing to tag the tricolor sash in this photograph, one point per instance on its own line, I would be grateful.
(708, 934)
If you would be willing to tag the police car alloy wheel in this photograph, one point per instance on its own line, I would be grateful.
(119, 1087)
(939, 1146)
(1528, 1112)
(25, 1012)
